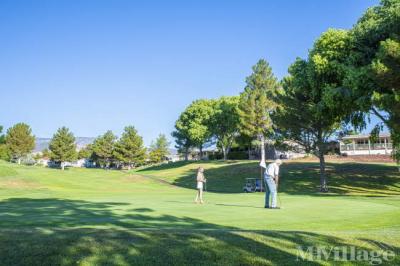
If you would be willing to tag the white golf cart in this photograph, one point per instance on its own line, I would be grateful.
(253, 185)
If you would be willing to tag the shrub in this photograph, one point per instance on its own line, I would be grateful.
(4, 153)
(233, 155)
(238, 155)
(215, 156)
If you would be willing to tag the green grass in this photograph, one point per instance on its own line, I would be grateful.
(147, 216)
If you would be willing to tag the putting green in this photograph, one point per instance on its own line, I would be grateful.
(94, 216)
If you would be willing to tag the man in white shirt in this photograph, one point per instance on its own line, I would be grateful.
(271, 177)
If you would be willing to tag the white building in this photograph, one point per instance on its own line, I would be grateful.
(362, 145)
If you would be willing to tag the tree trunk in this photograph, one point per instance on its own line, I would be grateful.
(225, 152)
(186, 154)
(262, 147)
(324, 186)
(249, 150)
(62, 166)
(201, 152)
(19, 161)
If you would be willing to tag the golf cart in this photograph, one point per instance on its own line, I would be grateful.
(253, 185)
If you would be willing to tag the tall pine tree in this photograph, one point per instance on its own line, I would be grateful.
(159, 149)
(129, 148)
(103, 148)
(63, 147)
(257, 103)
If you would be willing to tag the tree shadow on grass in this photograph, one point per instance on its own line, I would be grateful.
(53, 212)
(68, 232)
(343, 179)
(302, 178)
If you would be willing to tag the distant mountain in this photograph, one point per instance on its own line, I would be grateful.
(43, 143)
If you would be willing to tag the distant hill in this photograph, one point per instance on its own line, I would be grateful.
(43, 143)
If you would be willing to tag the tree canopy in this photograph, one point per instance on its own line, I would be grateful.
(193, 125)
(182, 142)
(309, 112)
(373, 67)
(159, 149)
(129, 149)
(63, 147)
(224, 124)
(4, 154)
(20, 141)
(103, 148)
(257, 102)
(2, 136)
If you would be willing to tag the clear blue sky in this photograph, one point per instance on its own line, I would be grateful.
(99, 65)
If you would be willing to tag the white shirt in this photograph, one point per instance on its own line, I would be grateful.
(272, 170)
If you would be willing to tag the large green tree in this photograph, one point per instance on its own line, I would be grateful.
(103, 148)
(4, 155)
(159, 149)
(183, 142)
(2, 136)
(86, 152)
(257, 103)
(309, 111)
(20, 141)
(129, 148)
(373, 67)
(194, 123)
(62, 147)
(225, 121)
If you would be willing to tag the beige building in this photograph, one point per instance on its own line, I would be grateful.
(362, 145)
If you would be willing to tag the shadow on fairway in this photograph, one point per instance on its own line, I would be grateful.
(53, 212)
(301, 178)
(41, 232)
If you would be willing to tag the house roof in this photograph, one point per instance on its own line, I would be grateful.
(366, 136)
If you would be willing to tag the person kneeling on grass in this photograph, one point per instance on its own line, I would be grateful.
(200, 184)
(271, 183)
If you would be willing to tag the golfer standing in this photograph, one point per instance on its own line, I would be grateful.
(271, 178)
(200, 185)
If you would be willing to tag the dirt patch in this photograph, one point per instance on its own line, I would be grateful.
(135, 178)
(156, 179)
(19, 184)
